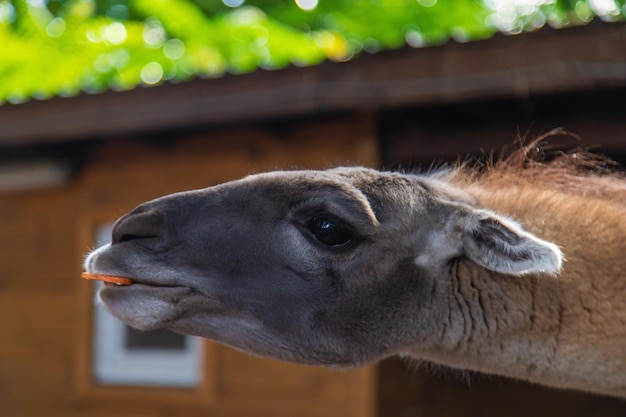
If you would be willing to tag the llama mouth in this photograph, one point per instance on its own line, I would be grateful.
(142, 284)
(145, 285)
(124, 280)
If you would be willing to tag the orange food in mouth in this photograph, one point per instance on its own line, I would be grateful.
(107, 278)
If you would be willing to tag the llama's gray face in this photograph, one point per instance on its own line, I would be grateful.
(338, 267)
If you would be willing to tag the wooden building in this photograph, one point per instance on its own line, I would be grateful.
(71, 165)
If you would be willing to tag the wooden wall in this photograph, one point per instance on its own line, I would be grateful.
(421, 134)
(45, 308)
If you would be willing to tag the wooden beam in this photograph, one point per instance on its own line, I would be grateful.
(546, 61)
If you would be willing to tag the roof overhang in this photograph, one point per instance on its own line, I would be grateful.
(547, 61)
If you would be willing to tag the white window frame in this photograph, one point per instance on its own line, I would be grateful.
(115, 364)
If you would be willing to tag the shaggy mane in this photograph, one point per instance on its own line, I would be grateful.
(568, 169)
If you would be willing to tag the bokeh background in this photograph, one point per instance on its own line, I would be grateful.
(106, 104)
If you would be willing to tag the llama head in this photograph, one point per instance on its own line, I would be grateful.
(338, 267)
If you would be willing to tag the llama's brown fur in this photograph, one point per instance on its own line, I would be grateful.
(571, 172)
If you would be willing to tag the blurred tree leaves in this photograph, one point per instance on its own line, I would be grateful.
(64, 47)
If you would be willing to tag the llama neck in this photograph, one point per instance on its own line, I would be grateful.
(568, 331)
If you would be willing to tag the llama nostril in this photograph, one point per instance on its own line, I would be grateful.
(139, 224)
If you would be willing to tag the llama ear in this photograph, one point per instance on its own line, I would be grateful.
(501, 245)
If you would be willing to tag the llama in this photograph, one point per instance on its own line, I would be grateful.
(516, 270)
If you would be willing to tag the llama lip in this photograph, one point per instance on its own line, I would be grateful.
(136, 282)
(141, 283)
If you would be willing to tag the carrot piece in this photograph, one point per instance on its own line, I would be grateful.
(107, 278)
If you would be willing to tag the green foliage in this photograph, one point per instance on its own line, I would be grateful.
(64, 47)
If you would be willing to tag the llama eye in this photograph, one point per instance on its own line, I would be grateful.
(329, 231)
